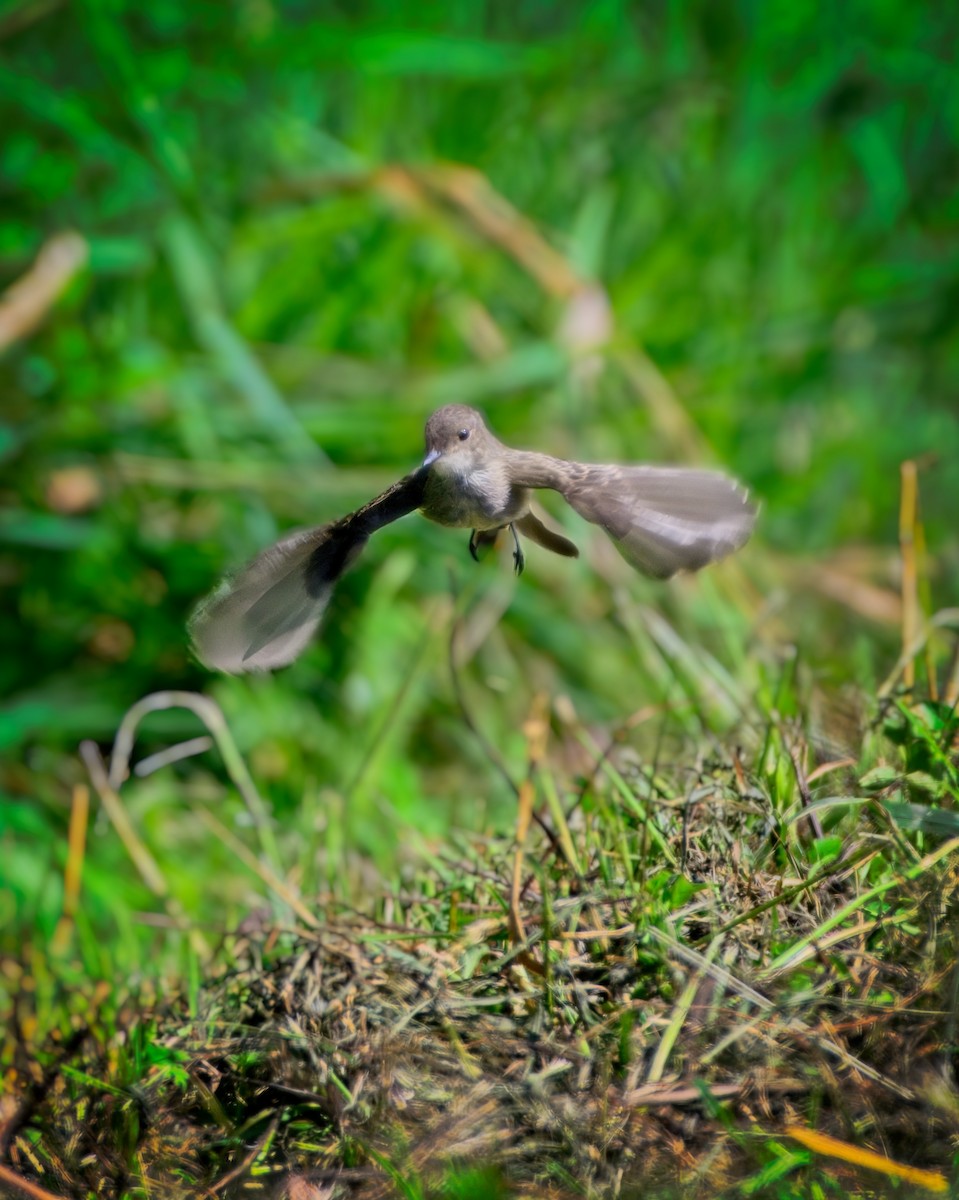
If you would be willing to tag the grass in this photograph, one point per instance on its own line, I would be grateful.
(694, 971)
(576, 841)
(707, 968)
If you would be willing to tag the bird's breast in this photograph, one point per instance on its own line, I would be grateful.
(477, 498)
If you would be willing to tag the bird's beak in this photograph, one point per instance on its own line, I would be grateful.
(431, 457)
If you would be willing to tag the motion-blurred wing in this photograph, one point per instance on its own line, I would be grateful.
(263, 617)
(663, 519)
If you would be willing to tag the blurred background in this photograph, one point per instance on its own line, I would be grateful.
(246, 249)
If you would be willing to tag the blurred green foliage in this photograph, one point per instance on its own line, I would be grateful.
(767, 193)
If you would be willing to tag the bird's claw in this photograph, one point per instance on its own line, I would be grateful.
(519, 558)
(477, 539)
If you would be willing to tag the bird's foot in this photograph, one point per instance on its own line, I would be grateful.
(519, 558)
(474, 542)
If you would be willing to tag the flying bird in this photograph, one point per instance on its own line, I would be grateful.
(661, 519)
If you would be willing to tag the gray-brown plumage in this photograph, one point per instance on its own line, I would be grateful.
(661, 519)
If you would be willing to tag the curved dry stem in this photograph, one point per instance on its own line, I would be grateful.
(212, 717)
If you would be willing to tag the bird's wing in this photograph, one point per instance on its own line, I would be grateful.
(661, 519)
(262, 617)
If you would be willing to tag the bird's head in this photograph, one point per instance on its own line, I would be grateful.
(455, 433)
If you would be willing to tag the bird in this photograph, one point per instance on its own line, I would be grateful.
(661, 520)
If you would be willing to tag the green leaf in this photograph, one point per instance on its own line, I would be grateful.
(825, 848)
(922, 781)
(46, 530)
(879, 778)
(939, 822)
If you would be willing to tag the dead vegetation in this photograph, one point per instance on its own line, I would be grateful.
(653, 1033)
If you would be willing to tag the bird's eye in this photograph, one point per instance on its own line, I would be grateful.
(463, 434)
